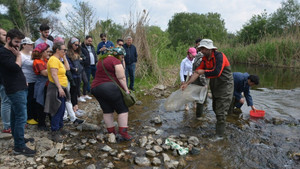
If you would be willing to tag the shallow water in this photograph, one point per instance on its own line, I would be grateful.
(267, 142)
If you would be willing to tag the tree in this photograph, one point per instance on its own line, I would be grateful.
(80, 20)
(285, 18)
(186, 27)
(254, 29)
(114, 31)
(27, 14)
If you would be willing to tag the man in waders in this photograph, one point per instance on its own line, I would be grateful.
(216, 67)
(201, 81)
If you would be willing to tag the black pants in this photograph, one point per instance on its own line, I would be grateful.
(40, 111)
(75, 91)
(31, 103)
(83, 78)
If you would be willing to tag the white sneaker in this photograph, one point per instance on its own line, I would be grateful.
(81, 99)
(87, 97)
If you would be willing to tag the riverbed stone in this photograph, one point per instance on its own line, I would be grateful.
(41, 167)
(157, 120)
(92, 141)
(182, 163)
(113, 152)
(106, 148)
(88, 127)
(148, 147)
(68, 161)
(166, 158)
(83, 141)
(151, 153)
(193, 140)
(157, 149)
(92, 166)
(159, 141)
(50, 153)
(88, 156)
(112, 138)
(156, 161)
(143, 141)
(166, 147)
(59, 157)
(171, 164)
(159, 132)
(142, 161)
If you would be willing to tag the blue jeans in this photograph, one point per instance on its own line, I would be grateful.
(130, 71)
(5, 108)
(91, 70)
(57, 120)
(18, 116)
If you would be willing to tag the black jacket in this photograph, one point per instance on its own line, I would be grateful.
(86, 53)
(12, 74)
(1, 46)
(131, 54)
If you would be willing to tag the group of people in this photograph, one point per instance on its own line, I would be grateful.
(226, 87)
(43, 78)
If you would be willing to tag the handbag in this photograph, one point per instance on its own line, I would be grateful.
(129, 98)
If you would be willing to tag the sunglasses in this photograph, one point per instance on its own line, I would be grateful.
(65, 50)
(103, 39)
(76, 45)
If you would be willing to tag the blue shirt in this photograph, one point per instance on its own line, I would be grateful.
(241, 85)
(108, 44)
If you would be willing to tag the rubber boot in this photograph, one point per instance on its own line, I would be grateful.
(111, 130)
(124, 134)
(220, 130)
(199, 110)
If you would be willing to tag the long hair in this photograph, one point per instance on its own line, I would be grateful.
(73, 54)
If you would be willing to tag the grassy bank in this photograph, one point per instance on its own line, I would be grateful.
(281, 51)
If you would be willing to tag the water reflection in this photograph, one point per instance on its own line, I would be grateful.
(270, 77)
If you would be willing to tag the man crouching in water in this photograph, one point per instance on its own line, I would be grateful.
(216, 67)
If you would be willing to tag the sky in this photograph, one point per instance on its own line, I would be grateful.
(234, 12)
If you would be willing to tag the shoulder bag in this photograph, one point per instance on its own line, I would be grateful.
(129, 99)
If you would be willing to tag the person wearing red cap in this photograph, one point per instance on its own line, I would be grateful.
(186, 67)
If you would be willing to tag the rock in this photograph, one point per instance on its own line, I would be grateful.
(175, 153)
(127, 151)
(182, 136)
(80, 147)
(31, 161)
(277, 121)
(150, 140)
(113, 152)
(59, 157)
(150, 129)
(166, 158)
(166, 147)
(83, 141)
(112, 138)
(45, 160)
(59, 146)
(157, 120)
(171, 164)
(41, 167)
(148, 147)
(159, 141)
(142, 161)
(92, 166)
(160, 87)
(50, 153)
(88, 155)
(157, 149)
(110, 165)
(143, 141)
(43, 144)
(156, 161)
(103, 156)
(68, 161)
(100, 137)
(159, 132)
(88, 127)
(74, 133)
(179, 143)
(106, 148)
(92, 141)
(5, 135)
(139, 102)
(193, 140)
(182, 163)
(151, 153)
(121, 155)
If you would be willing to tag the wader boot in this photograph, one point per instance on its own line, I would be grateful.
(199, 110)
(220, 130)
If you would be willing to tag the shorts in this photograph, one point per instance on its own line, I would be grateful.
(110, 98)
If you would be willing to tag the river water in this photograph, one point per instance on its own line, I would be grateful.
(269, 142)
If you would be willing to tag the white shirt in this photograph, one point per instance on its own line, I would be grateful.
(92, 58)
(27, 68)
(186, 68)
